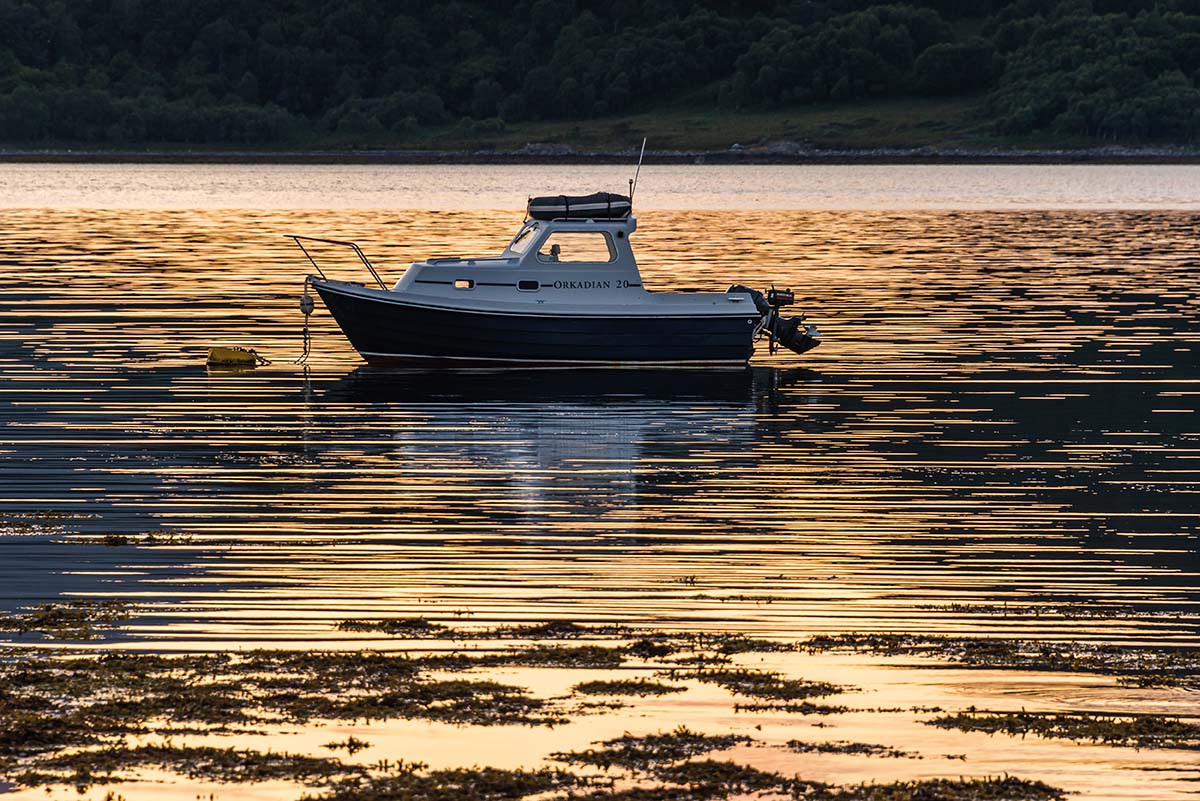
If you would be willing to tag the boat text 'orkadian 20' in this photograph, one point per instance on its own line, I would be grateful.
(566, 291)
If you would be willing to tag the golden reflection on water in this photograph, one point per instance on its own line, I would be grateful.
(1003, 413)
(998, 436)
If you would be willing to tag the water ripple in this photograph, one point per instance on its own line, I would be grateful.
(999, 435)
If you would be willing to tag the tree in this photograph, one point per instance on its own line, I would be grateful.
(230, 70)
(485, 98)
(945, 69)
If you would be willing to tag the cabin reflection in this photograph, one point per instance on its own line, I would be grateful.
(607, 436)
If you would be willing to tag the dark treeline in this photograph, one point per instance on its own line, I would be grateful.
(236, 71)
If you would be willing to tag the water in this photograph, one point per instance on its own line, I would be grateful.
(999, 435)
(742, 188)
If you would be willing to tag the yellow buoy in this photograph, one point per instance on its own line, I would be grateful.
(233, 357)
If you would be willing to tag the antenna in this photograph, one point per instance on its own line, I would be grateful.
(633, 181)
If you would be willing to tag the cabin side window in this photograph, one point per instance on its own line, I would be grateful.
(577, 247)
(523, 240)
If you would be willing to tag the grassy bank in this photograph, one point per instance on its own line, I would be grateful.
(932, 130)
(926, 122)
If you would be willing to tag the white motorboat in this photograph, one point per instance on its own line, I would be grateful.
(565, 291)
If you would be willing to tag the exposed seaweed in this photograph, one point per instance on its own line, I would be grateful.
(147, 540)
(560, 656)
(644, 643)
(1178, 666)
(699, 660)
(717, 779)
(26, 733)
(737, 644)
(420, 628)
(643, 752)
(226, 765)
(764, 684)
(641, 794)
(479, 703)
(1008, 788)
(318, 670)
(47, 705)
(52, 515)
(847, 747)
(57, 709)
(802, 708)
(409, 627)
(1049, 609)
(351, 745)
(68, 620)
(627, 687)
(653, 647)
(705, 780)
(727, 643)
(1139, 731)
(555, 630)
(39, 522)
(458, 784)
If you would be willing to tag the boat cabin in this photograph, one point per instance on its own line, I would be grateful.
(567, 259)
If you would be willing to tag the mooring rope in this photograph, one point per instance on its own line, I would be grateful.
(306, 308)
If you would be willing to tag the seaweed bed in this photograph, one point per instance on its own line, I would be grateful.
(642, 752)
(842, 747)
(683, 781)
(1140, 666)
(627, 687)
(660, 767)
(1138, 731)
(69, 718)
(68, 620)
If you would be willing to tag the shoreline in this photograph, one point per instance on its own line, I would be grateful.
(776, 154)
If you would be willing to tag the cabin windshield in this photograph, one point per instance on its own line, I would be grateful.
(523, 240)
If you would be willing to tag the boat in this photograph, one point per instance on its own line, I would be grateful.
(565, 291)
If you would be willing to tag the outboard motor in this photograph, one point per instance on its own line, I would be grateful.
(791, 332)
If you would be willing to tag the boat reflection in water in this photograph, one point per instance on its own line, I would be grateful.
(369, 384)
(607, 435)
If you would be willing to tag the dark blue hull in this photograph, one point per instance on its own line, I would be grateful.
(386, 331)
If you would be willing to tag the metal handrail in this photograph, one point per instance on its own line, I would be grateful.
(361, 256)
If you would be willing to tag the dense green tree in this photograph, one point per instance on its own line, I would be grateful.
(125, 71)
(954, 68)
(1107, 76)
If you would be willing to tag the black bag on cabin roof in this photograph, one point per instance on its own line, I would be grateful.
(600, 206)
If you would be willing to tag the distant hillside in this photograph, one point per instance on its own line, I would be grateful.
(1075, 73)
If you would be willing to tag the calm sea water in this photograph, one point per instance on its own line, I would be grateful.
(1000, 434)
(458, 187)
